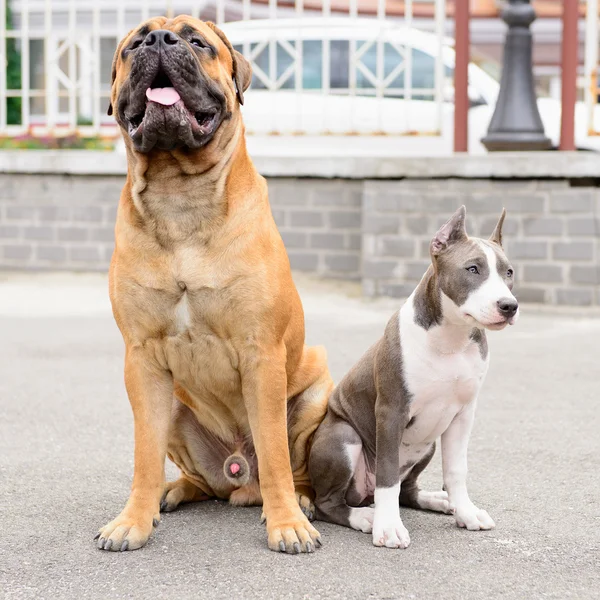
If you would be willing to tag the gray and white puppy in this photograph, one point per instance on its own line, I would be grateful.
(420, 381)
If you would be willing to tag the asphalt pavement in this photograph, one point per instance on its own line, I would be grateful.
(66, 460)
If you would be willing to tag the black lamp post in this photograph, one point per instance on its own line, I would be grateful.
(516, 123)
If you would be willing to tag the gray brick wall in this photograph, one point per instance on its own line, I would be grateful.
(60, 222)
(552, 233)
(320, 223)
(377, 232)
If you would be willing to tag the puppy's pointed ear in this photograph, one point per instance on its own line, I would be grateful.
(496, 236)
(451, 232)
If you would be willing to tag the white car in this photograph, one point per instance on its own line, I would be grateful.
(276, 105)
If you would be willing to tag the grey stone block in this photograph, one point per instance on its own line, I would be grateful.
(110, 214)
(510, 227)
(530, 294)
(543, 226)
(379, 268)
(417, 225)
(107, 251)
(73, 234)
(485, 202)
(38, 233)
(339, 197)
(51, 253)
(424, 248)
(407, 202)
(524, 203)
(288, 193)
(17, 252)
(8, 232)
(395, 290)
(572, 201)
(380, 224)
(327, 241)
(306, 218)
(585, 275)
(345, 220)
(54, 213)
(278, 217)
(575, 297)
(342, 262)
(446, 205)
(102, 234)
(526, 249)
(20, 213)
(394, 246)
(294, 239)
(354, 241)
(303, 261)
(584, 227)
(573, 250)
(87, 213)
(543, 274)
(414, 271)
(84, 254)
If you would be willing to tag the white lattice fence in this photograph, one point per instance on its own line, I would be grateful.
(323, 66)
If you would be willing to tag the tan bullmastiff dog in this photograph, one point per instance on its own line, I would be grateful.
(216, 369)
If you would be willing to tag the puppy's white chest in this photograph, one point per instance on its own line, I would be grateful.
(440, 384)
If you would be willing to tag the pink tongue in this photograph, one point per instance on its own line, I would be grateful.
(234, 468)
(166, 96)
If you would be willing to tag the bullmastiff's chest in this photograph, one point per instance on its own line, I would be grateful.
(185, 312)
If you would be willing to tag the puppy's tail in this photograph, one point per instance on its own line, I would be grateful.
(236, 470)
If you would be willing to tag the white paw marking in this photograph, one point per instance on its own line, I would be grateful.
(391, 535)
(474, 519)
(436, 501)
(361, 519)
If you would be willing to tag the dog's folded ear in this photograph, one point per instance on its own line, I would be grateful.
(496, 236)
(451, 232)
(241, 68)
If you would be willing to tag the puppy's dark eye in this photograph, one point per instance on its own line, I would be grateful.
(473, 269)
(197, 42)
(509, 273)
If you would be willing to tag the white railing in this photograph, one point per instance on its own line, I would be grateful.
(591, 62)
(319, 66)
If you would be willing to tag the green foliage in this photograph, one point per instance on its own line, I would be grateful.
(70, 142)
(13, 73)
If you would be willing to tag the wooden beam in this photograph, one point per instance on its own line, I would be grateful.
(569, 62)
(461, 76)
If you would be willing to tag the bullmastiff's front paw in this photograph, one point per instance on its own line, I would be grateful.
(127, 532)
(293, 536)
(306, 505)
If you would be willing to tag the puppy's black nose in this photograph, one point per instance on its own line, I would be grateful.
(508, 307)
(161, 37)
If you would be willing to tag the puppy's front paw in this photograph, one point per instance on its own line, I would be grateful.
(362, 518)
(473, 518)
(391, 535)
(127, 532)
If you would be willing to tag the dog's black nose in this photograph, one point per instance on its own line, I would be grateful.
(161, 37)
(508, 307)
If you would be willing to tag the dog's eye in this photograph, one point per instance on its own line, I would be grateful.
(509, 273)
(197, 42)
(473, 269)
